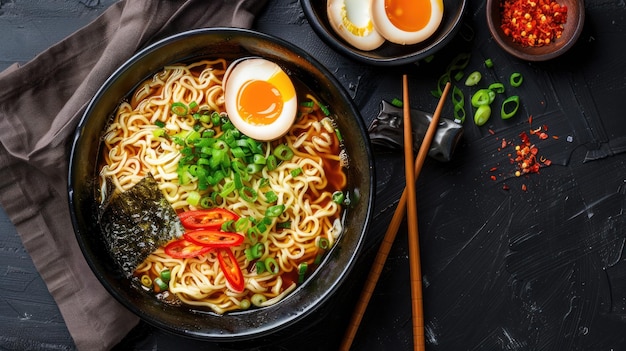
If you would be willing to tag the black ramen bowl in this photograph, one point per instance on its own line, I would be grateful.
(185, 320)
(388, 54)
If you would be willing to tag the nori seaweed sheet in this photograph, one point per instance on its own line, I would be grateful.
(136, 222)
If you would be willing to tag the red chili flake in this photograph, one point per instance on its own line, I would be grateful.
(533, 22)
(505, 187)
(493, 177)
(503, 143)
(524, 188)
(543, 136)
(491, 132)
(493, 169)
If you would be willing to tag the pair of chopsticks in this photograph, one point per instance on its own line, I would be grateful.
(407, 203)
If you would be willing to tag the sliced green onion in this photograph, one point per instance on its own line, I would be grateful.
(193, 198)
(396, 102)
(459, 113)
(458, 103)
(255, 251)
(323, 243)
(302, 268)
(296, 172)
(193, 106)
(228, 226)
(271, 265)
(516, 79)
(482, 115)
(160, 283)
(338, 197)
(488, 63)
(473, 78)
(283, 152)
(260, 267)
(242, 224)
(244, 304)
(206, 202)
(338, 134)
(283, 225)
(227, 189)
(166, 275)
(159, 124)
(507, 111)
(275, 211)
(483, 97)
(497, 87)
(271, 163)
(457, 96)
(253, 234)
(459, 75)
(248, 194)
(179, 109)
(258, 299)
(271, 197)
(157, 133)
(307, 103)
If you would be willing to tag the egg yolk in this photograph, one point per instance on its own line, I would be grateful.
(259, 102)
(408, 15)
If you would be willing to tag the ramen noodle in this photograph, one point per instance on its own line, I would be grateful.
(149, 136)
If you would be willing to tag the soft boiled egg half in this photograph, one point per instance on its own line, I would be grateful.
(351, 19)
(366, 24)
(407, 21)
(259, 98)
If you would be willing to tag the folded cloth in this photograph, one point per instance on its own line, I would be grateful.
(41, 103)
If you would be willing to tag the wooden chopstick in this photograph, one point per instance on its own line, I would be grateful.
(411, 211)
(390, 234)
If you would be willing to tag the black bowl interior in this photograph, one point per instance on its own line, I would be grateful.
(230, 44)
(388, 54)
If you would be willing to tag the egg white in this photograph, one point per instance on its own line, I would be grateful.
(242, 71)
(351, 20)
(389, 31)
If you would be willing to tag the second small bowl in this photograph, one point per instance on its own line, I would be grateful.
(571, 31)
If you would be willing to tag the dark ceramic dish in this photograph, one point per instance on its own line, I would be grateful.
(388, 54)
(185, 320)
(571, 31)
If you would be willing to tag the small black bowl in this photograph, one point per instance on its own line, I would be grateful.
(185, 320)
(571, 31)
(389, 54)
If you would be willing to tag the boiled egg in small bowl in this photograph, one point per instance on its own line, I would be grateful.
(260, 98)
(352, 21)
(407, 22)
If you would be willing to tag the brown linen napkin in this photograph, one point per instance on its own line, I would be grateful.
(41, 103)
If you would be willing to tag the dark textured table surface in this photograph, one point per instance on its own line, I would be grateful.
(516, 263)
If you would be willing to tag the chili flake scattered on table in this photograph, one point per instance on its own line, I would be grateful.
(526, 157)
(533, 22)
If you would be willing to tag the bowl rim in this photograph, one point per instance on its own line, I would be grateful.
(331, 39)
(287, 319)
(492, 15)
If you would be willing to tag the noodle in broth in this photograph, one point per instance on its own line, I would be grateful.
(144, 138)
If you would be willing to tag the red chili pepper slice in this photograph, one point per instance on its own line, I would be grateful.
(230, 267)
(183, 248)
(207, 219)
(213, 238)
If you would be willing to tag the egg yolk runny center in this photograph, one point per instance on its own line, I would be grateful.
(408, 15)
(259, 102)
